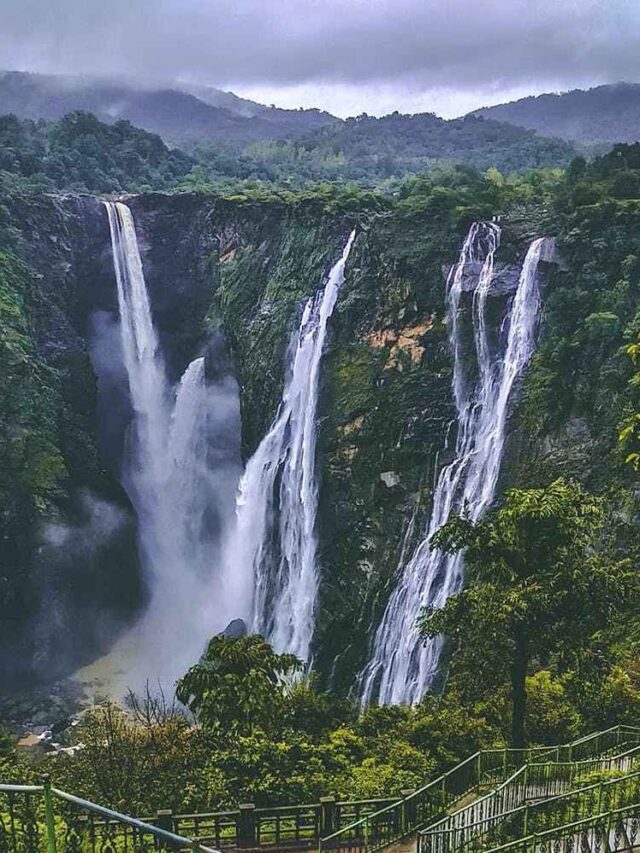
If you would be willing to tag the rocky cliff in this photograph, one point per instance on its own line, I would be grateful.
(227, 277)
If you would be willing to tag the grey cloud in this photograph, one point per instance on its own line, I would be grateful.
(460, 44)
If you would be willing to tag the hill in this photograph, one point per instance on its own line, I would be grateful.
(83, 154)
(178, 116)
(238, 138)
(595, 117)
(397, 145)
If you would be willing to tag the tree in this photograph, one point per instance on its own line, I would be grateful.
(536, 587)
(238, 684)
(146, 758)
(629, 435)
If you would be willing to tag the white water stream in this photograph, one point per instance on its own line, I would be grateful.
(177, 482)
(273, 553)
(402, 665)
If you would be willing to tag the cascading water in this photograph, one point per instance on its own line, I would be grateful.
(402, 666)
(176, 484)
(274, 548)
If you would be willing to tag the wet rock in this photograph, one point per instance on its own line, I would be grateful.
(390, 479)
(235, 629)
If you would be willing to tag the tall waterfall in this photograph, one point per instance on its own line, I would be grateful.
(402, 666)
(176, 484)
(274, 548)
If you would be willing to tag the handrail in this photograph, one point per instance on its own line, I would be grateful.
(110, 814)
(528, 767)
(256, 827)
(21, 789)
(358, 835)
(434, 783)
(272, 809)
(569, 795)
(522, 771)
(461, 825)
(632, 811)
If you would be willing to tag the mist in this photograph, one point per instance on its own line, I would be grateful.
(367, 55)
(89, 588)
(176, 450)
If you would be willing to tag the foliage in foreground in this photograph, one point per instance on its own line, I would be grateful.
(541, 588)
(300, 743)
(295, 745)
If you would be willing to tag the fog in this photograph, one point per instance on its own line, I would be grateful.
(373, 55)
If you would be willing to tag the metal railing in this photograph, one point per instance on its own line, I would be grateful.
(466, 828)
(280, 826)
(535, 818)
(33, 817)
(39, 818)
(485, 769)
(616, 831)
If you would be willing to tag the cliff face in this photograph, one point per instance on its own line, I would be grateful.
(385, 399)
(68, 560)
(227, 277)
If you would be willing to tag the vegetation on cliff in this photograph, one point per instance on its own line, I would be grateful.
(385, 404)
(80, 153)
(31, 462)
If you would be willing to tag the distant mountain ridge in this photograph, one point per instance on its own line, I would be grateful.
(241, 139)
(597, 117)
(179, 116)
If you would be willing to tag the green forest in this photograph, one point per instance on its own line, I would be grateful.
(543, 642)
(82, 154)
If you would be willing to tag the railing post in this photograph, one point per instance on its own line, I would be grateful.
(195, 845)
(49, 815)
(246, 825)
(367, 833)
(328, 816)
(164, 820)
(408, 807)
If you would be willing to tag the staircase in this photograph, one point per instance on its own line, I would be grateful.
(617, 831)
(478, 793)
(533, 797)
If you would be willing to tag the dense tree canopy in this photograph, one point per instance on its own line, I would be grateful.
(81, 153)
(536, 586)
(238, 684)
(299, 744)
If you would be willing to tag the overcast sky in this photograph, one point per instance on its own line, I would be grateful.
(346, 56)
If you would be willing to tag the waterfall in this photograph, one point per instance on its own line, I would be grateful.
(142, 359)
(177, 485)
(274, 548)
(402, 665)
